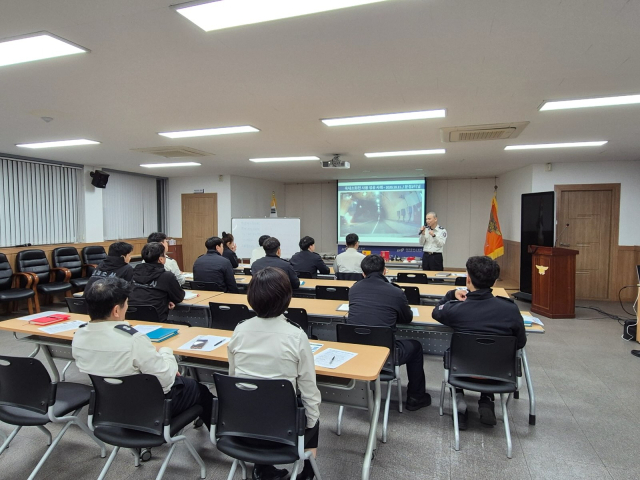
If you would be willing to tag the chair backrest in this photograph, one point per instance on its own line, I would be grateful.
(349, 276)
(325, 292)
(226, 316)
(34, 261)
(263, 409)
(488, 357)
(304, 274)
(135, 402)
(192, 315)
(365, 335)
(77, 305)
(208, 286)
(412, 294)
(68, 257)
(412, 278)
(461, 281)
(144, 313)
(93, 254)
(25, 383)
(298, 316)
(6, 273)
(247, 271)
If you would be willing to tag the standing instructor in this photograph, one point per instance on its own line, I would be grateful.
(432, 239)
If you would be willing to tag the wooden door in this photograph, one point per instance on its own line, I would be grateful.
(199, 222)
(589, 215)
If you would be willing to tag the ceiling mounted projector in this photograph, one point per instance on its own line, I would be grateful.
(335, 162)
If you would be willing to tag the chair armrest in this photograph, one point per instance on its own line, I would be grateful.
(214, 411)
(66, 271)
(446, 358)
(301, 421)
(86, 266)
(53, 390)
(518, 366)
(167, 411)
(31, 279)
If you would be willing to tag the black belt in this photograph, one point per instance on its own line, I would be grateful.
(433, 253)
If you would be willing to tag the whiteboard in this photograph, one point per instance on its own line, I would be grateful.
(247, 231)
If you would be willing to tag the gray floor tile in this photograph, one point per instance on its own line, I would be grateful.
(550, 468)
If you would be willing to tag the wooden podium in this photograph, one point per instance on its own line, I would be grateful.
(553, 282)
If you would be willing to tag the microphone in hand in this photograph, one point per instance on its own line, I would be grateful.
(422, 230)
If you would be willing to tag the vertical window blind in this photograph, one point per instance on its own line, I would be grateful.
(40, 203)
(130, 206)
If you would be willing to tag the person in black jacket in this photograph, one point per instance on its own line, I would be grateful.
(272, 248)
(153, 285)
(476, 310)
(307, 260)
(213, 267)
(115, 265)
(375, 302)
(229, 251)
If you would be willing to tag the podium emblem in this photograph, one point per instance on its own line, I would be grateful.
(541, 269)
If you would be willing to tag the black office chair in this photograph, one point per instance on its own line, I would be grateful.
(482, 363)
(192, 315)
(28, 398)
(349, 276)
(412, 294)
(68, 257)
(35, 261)
(132, 412)
(299, 317)
(17, 286)
(144, 313)
(304, 274)
(92, 256)
(411, 278)
(379, 337)
(325, 292)
(461, 282)
(77, 305)
(247, 411)
(208, 286)
(247, 271)
(226, 316)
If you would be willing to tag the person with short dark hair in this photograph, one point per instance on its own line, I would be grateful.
(307, 260)
(115, 265)
(375, 302)
(108, 347)
(272, 259)
(213, 267)
(258, 252)
(476, 310)
(170, 264)
(229, 251)
(270, 346)
(153, 285)
(349, 261)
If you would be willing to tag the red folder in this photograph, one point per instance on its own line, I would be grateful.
(50, 319)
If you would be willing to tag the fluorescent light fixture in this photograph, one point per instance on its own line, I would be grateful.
(210, 131)
(556, 145)
(405, 153)
(162, 165)
(387, 117)
(591, 102)
(232, 13)
(61, 143)
(37, 46)
(283, 159)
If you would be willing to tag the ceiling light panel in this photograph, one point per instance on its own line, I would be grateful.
(60, 143)
(556, 145)
(233, 13)
(283, 159)
(162, 165)
(387, 117)
(210, 131)
(591, 102)
(36, 47)
(405, 153)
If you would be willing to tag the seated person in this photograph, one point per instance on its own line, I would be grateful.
(170, 264)
(229, 251)
(258, 252)
(213, 267)
(115, 265)
(272, 248)
(153, 285)
(270, 346)
(478, 311)
(375, 302)
(307, 260)
(349, 261)
(108, 347)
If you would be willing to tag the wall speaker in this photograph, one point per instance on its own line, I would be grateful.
(99, 178)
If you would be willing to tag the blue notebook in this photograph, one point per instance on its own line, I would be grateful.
(161, 334)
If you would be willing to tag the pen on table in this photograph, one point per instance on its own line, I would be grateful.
(219, 342)
(332, 359)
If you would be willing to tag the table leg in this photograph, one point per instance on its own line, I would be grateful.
(373, 431)
(52, 365)
(532, 397)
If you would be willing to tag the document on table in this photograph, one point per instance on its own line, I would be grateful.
(315, 347)
(333, 358)
(205, 343)
(415, 311)
(532, 319)
(189, 295)
(188, 275)
(147, 328)
(343, 308)
(38, 315)
(62, 327)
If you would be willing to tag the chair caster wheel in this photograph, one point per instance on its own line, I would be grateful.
(145, 454)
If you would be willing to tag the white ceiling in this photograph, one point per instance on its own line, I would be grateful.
(485, 61)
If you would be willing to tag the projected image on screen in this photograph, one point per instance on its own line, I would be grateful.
(386, 212)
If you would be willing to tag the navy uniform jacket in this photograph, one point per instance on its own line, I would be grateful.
(306, 261)
(375, 302)
(213, 267)
(276, 261)
(481, 313)
(231, 256)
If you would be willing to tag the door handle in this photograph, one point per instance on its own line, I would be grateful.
(565, 245)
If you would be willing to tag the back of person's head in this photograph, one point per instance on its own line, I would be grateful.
(269, 292)
(352, 239)
(157, 237)
(271, 245)
(372, 264)
(151, 252)
(227, 238)
(120, 249)
(483, 272)
(104, 294)
(262, 239)
(306, 242)
(212, 243)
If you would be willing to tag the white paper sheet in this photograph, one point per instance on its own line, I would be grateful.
(188, 295)
(343, 308)
(315, 347)
(38, 315)
(147, 328)
(213, 342)
(533, 319)
(333, 358)
(62, 327)
(188, 275)
(415, 311)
